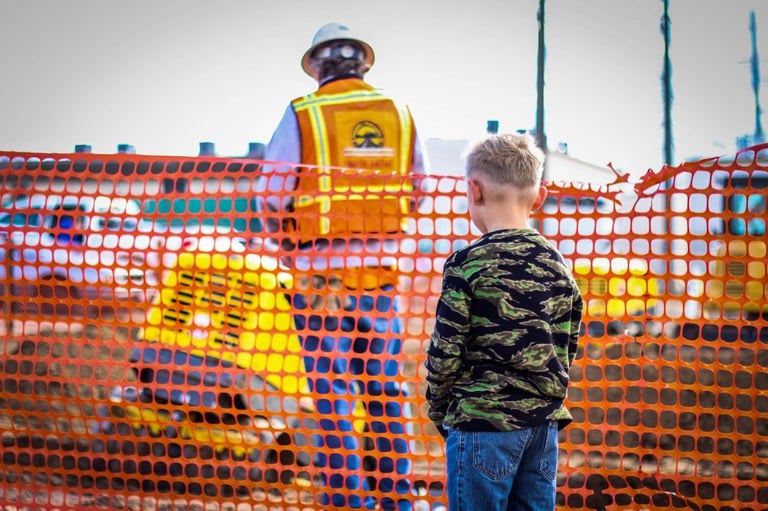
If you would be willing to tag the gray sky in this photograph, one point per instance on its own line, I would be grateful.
(164, 75)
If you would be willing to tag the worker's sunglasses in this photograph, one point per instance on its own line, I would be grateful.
(343, 51)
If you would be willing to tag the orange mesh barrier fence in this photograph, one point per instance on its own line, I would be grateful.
(172, 340)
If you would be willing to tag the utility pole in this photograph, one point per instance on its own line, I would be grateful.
(666, 87)
(759, 136)
(541, 137)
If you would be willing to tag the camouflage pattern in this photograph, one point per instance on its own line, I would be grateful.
(505, 336)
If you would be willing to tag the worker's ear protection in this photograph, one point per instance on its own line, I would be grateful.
(339, 50)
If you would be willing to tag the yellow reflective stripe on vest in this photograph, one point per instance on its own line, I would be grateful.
(405, 139)
(314, 104)
(322, 156)
(322, 148)
(336, 99)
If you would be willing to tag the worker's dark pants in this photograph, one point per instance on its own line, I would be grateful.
(351, 358)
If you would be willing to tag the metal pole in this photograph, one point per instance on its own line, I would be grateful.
(755, 64)
(667, 87)
(541, 137)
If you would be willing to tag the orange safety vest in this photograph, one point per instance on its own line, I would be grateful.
(351, 125)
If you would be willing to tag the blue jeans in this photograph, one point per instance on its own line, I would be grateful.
(502, 471)
(342, 349)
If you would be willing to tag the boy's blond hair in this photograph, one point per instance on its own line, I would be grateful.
(507, 159)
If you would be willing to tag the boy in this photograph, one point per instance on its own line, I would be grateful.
(505, 336)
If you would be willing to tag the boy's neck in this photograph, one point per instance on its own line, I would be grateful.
(507, 218)
(507, 226)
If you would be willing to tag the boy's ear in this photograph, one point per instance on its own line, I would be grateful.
(477, 191)
(540, 198)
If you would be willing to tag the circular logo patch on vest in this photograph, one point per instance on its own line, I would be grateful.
(367, 134)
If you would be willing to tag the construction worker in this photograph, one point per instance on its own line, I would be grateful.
(339, 232)
(363, 128)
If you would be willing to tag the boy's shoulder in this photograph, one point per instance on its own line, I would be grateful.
(460, 255)
(504, 239)
(506, 245)
(484, 248)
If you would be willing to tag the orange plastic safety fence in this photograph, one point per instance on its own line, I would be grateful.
(171, 340)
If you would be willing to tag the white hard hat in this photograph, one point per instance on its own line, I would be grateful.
(334, 32)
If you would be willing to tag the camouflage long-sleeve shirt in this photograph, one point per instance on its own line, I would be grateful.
(505, 336)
